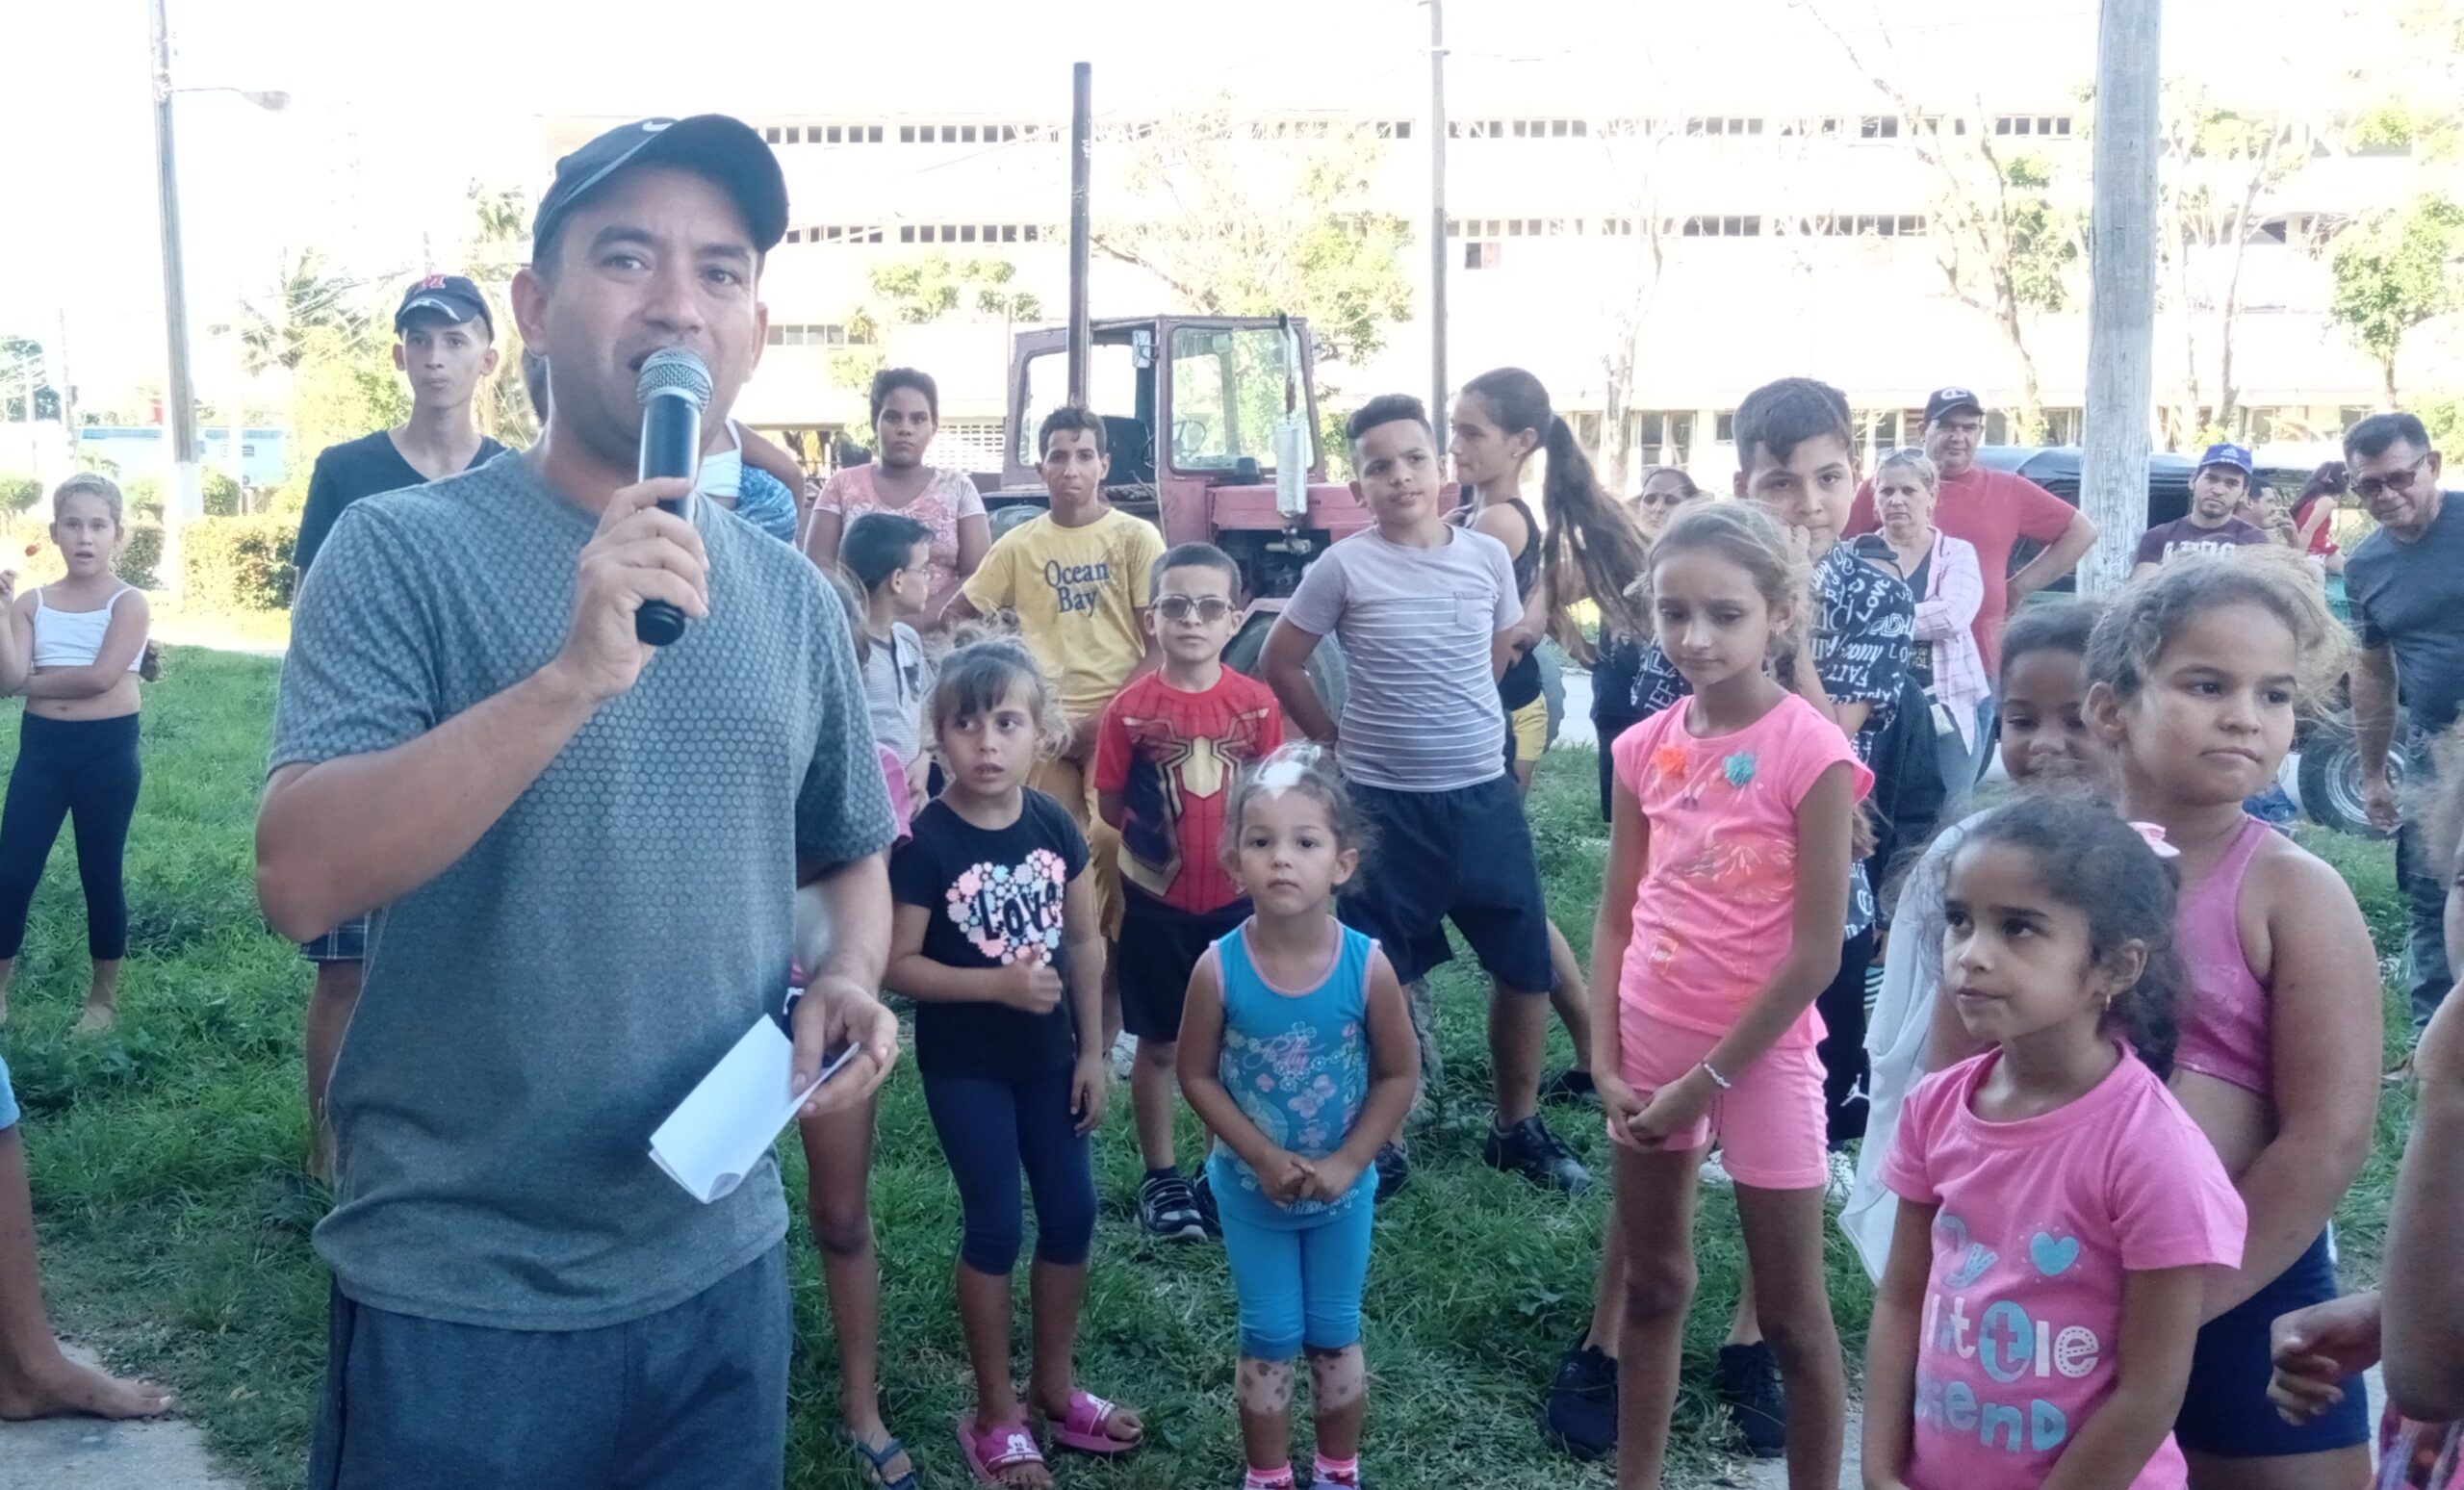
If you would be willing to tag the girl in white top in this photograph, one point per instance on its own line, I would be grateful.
(75, 649)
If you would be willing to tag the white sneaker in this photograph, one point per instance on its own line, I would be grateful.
(1714, 1174)
(1124, 1055)
(1844, 1174)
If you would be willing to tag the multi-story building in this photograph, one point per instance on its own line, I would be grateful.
(1741, 244)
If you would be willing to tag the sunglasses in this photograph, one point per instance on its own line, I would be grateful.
(1208, 608)
(2400, 482)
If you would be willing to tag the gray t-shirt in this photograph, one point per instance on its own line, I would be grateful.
(895, 678)
(1415, 626)
(535, 1011)
(2408, 596)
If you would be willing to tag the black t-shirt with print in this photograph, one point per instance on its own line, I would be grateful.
(993, 894)
(365, 466)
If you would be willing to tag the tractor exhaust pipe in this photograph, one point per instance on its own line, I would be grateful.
(1082, 118)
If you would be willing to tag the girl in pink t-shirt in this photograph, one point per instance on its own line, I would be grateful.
(2060, 1213)
(1732, 825)
(906, 413)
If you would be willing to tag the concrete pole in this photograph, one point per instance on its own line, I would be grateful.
(184, 497)
(1437, 243)
(1082, 163)
(2122, 292)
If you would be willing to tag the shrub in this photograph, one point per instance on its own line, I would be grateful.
(17, 492)
(237, 563)
(143, 496)
(141, 555)
(218, 493)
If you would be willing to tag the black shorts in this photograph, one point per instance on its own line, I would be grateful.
(1462, 856)
(2225, 1412)
(1159, 948)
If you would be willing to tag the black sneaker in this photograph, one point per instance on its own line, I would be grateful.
(1203, 1191)
(1168, 1210)
(1570, 1085)
(1581, 1413)
(1394, 1169)
(1530, 1149)
(1748, 1384)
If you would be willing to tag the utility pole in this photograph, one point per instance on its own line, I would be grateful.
(184, 498)
(2121, 290)
(1082, 160)
(1437, 244)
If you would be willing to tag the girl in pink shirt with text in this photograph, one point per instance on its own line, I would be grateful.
(1732, 826)
(2060, 1215)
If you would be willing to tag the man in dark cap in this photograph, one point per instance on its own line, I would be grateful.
(584, 856)
(444, 343)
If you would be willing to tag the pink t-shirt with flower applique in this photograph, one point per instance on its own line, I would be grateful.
(1712, 919)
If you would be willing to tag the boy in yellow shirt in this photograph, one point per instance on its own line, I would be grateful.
(1076, 580)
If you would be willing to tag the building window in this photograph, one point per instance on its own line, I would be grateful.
(1724, 426)
(1721, 227)
(2061, 427)
(2049, 125)
(1482, 253)
(1878, 126)
(809, 335)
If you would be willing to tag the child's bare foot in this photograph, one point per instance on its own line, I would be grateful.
(98, 1018)
(66, 1387)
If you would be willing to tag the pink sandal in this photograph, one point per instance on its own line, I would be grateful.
(994, 1449)
(1083, 1427)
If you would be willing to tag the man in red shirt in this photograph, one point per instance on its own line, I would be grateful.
(1992, 510)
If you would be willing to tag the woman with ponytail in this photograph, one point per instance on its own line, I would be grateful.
(1589, 545)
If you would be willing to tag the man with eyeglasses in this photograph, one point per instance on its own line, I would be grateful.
(2406, 584)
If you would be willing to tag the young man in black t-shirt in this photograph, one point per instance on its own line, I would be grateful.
(445, 343)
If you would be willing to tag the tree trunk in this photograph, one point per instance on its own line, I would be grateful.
(2122, 296)
(1616, 433)
(2228, 396)
(2387, 372)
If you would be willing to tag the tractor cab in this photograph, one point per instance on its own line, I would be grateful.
(1201, 415)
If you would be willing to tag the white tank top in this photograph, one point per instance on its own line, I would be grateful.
(74, 638)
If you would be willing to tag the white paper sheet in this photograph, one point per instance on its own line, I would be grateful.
(729, 1120)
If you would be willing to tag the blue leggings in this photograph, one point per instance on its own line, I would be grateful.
(1298, 1286)
(992, 1127)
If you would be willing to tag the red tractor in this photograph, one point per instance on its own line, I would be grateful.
(1213, 425)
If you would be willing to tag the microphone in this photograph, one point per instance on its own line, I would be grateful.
(674, 388)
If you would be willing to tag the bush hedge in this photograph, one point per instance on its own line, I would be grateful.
(141, 556)
(237, 563)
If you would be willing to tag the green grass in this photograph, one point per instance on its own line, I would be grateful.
(175, 1227)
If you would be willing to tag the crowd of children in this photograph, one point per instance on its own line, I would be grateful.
(2115, 1093)
(2118, 1085)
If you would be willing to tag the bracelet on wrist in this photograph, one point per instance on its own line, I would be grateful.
(1717, 1080)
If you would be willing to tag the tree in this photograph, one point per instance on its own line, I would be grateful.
(21, 377)
(307, 300)
(2217, 168)
(1236, 223)
(917, 292)
(1632, 147)
(500, 235)
(2395, 270)
(2005, 243)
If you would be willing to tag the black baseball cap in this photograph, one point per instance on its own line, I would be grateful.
(726, 150)
(450, 295)
(1947, 400)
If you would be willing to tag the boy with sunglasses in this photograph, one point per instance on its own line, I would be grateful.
(1171, 744)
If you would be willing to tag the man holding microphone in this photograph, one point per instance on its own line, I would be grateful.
(583, 847)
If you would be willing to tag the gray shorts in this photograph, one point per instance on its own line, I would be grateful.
(692, 1397)
(345, 943)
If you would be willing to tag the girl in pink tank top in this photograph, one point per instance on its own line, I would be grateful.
(2198, 674)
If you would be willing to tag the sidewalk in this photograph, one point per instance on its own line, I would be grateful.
(92, 1455)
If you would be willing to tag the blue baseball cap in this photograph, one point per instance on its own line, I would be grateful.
(2237, 456)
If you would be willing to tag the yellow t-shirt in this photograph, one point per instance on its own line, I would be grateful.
(1077, 592)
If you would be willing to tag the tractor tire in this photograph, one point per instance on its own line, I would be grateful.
(1017, 514)
(1326, 665)
(2330, 774)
